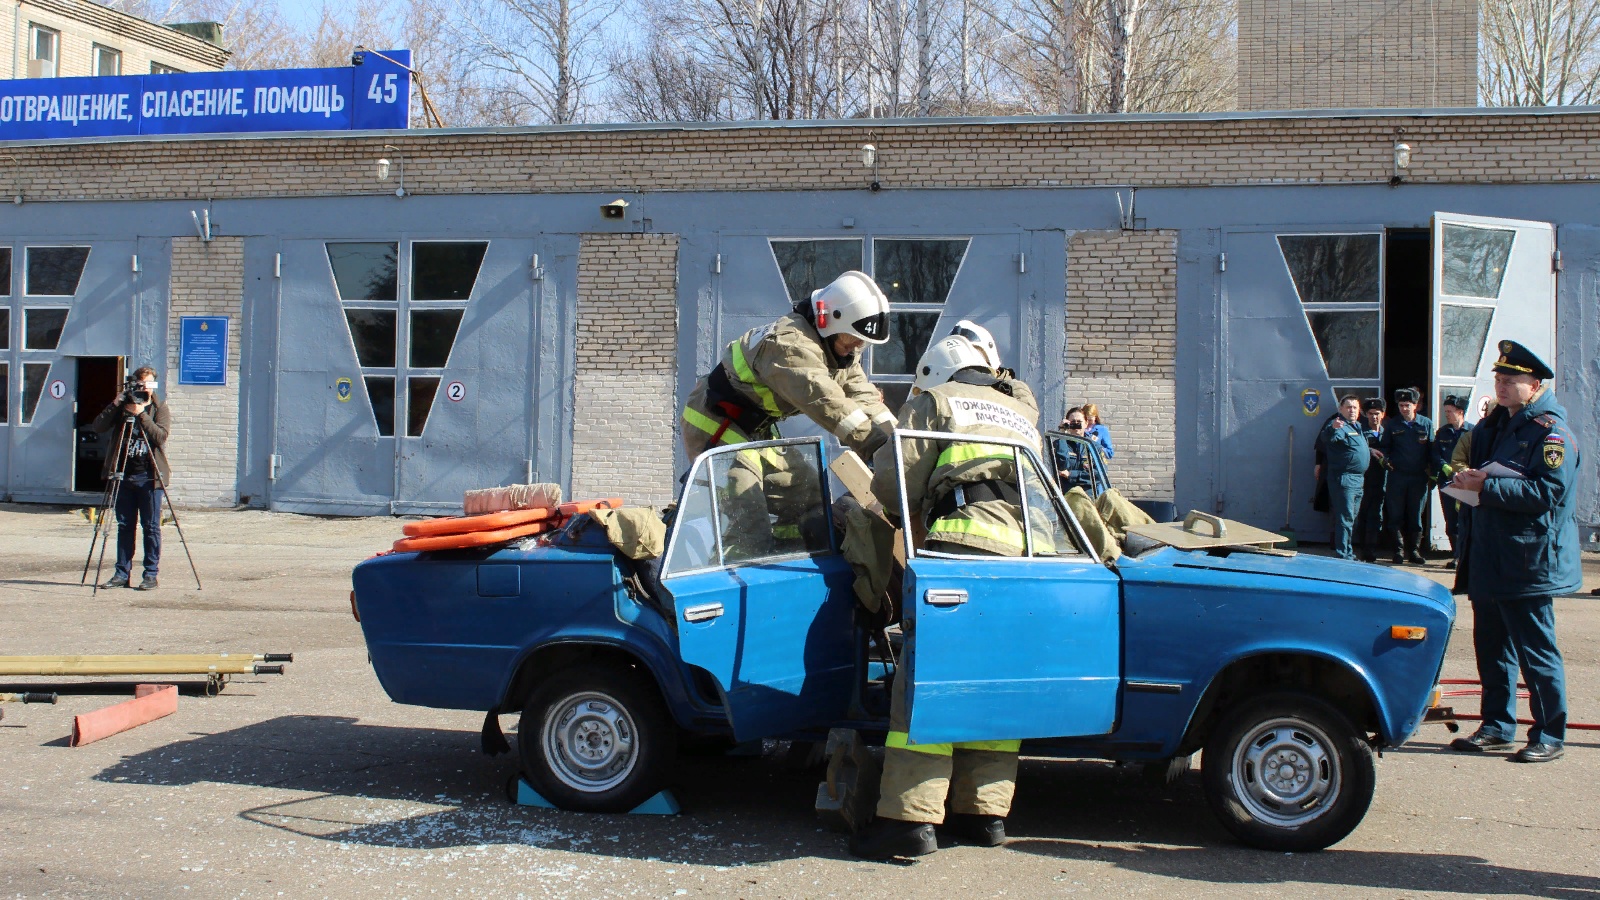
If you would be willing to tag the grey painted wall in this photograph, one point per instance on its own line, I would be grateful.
(712, 305)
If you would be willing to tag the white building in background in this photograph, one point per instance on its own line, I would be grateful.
(76, 38)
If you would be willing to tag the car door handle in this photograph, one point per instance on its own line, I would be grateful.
(944, 598)
(702, 612)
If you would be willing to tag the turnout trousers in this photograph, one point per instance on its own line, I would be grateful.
(976, 777)
(1511, 633)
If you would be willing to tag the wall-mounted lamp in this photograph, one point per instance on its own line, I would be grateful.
(382, 169)
(869, 159)
(1402, 162)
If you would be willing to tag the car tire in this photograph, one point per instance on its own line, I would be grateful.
(596, 738)
(1288, 772)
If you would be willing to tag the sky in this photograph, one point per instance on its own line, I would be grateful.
(304, 12)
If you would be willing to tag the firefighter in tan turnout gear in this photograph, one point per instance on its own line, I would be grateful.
(806, 362)
(968, 496)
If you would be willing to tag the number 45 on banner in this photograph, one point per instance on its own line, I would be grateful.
(384, 88)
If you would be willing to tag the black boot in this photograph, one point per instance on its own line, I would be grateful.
(979, 831)
(1393, 538)
(888, 838)
(1412, 556)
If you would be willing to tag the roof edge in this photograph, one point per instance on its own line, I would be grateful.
(858, 124)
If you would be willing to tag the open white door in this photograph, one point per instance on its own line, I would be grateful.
(1493, 280)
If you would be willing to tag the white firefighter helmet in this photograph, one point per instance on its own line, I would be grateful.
(980, 338)
(945, 358)
(852, 304)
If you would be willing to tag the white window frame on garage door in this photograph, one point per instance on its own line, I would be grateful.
(1362, 387)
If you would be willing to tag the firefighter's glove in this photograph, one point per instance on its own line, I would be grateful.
(875, 438)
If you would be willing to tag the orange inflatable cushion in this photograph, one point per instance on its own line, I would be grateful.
(485, 522)
(583, 506)
(472, 538)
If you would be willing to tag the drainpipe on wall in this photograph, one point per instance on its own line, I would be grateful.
(16, 37)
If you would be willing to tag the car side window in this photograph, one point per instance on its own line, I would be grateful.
(1050, 530)
(752, 503)
(1076, 457)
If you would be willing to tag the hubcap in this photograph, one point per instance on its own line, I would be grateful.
(1286, 772)
(590, 741)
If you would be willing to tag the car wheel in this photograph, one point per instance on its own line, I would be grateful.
(1288, 772)
(596, 739)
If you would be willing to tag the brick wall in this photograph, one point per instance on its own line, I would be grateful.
(1122, 337)
(1471, 148)
(624, 403)
(207, 280)
(1324, 54)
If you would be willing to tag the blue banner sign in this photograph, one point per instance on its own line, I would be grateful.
(203, 350)
(375, 94)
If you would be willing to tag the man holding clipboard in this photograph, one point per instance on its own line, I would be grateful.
(1520, 550)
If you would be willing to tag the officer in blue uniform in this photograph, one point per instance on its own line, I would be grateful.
(1369, 521)
(1348, 457)
(1405, 444)
(1454, 410)
(1519, 548)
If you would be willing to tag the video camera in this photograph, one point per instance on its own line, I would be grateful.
(133, 391)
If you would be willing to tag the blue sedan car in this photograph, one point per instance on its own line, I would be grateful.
(1288, 671)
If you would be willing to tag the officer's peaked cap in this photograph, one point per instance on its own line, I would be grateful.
(1516, 359)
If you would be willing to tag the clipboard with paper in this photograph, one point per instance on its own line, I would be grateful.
(1492, 470)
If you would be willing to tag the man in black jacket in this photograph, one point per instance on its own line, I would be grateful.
(139, 447)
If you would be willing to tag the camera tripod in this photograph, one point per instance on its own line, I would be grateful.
(108, 504)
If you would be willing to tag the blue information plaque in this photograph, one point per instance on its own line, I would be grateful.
(203, 350)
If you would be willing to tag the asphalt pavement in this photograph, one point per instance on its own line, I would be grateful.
(314, 784)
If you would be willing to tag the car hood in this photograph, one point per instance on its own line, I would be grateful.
(1311, 568)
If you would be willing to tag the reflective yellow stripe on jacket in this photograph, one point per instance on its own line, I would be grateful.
(700, 420)
(741, 368)
(771, 456)
(899, 740)
(967, 452)
(1011, 537)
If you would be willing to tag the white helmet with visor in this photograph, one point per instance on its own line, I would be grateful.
(852, 304)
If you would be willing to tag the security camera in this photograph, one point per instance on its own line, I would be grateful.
(616, 209)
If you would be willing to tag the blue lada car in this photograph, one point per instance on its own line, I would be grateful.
(1288, 671)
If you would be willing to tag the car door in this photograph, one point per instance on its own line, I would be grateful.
(1013, 647)
(761, 596)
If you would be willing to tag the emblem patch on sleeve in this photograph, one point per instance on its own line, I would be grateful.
(1555, 453)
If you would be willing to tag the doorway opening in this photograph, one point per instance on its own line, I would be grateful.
(99, 380)
(1407, 313)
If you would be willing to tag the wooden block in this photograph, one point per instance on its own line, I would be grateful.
(856, 478)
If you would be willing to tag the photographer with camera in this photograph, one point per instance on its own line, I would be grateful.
(140, 423)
